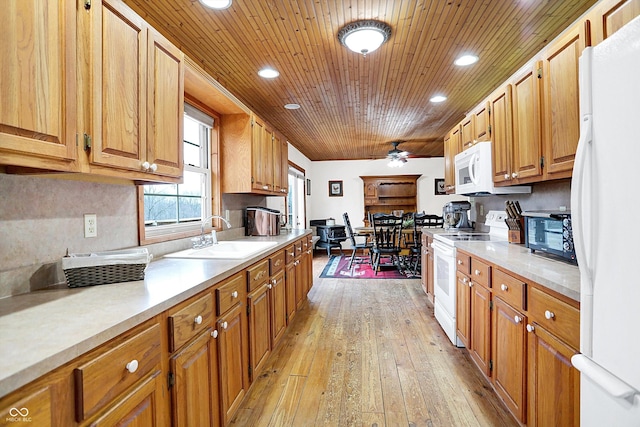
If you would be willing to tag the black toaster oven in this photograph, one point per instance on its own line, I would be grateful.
(550, 232)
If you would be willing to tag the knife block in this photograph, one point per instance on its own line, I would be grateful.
(517, 235)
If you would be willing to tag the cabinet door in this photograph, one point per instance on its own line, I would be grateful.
(611, 15)
(501, 134)
(482, 122)
(36, 407)
(284, 166)
(38, 83)
(119, 74)
(257, 156)
(424, 267)
(276, 147)
(194, 395)
(561, 118)
(527, 141)
(430, 280)
(553, 383)
(140, 407)
(480, 345)
(278, 308)
(509, 357)
(259, 329)
(165, 106)
(451, 148)
(463, 309)
(301, 282)
(467, 132)
(290, 285)
(232, 361)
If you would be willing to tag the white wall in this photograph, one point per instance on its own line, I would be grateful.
(349, 171)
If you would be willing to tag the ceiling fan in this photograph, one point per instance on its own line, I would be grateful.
(396, 157)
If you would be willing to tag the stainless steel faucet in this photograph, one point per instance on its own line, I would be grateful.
(214, 235)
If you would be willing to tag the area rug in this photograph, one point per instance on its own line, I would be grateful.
(338, 267)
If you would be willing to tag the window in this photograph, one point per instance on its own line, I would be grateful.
(296, 217)
(176, 209)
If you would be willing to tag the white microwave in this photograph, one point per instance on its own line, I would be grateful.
(474, 173)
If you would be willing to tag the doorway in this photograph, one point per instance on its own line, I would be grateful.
(296, 206)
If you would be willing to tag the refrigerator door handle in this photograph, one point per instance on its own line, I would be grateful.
(604, 379)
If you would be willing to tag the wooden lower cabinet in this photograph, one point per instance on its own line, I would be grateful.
(232, 360)
(290, 286)
(194, 392)
(553, 383)
(426, 263)
(259, 310)
(480, 344)
(463, 309)
(509, 357)
(278, 303)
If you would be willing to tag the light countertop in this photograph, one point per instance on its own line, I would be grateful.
(553, 274)
(45, 329)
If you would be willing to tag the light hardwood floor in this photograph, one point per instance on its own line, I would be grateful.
(369, 353)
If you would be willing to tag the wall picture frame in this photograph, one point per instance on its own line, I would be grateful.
(439, 187)
(335, 189)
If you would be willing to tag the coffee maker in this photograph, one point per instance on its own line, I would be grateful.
(455, 215)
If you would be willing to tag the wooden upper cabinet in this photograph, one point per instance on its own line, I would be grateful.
(451, 148)
(527, 141)
(284, 166)
(482, 122)
(276, 164)
(561, 118)
(138, 93)
(388, 193)
(609, 16)
(468, 131)
(501, 133)
(38, 84)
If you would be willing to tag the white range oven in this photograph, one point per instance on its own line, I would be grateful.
(444, 268)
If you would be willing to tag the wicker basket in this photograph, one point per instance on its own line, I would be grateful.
(101, 268)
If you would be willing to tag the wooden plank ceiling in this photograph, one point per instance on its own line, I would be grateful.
(352, 106)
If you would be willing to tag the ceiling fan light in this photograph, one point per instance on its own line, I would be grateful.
(396, 162)
(465, 60)
(217, 4)
(364, 36)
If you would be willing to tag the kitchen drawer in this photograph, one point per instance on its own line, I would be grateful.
(463, 263)
(185, 323)
(257, 275)
(509, 289)
(556, 316)
(232, 291)
(480, 273)
(113, 371)
(290, 253)
(276, 262)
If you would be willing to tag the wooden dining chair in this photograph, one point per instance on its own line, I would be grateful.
(387, 234)
(420, 221)
(356, 246)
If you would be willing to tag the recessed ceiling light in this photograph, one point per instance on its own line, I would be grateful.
(292, 106)
(216, 4)
(268, 73)
(466, 60)
(438, 98)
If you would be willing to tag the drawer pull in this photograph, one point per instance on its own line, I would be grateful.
(234, 294)
(464, 280)
(214, 333)
(504, 287)
(506, 176)
(198, 320)
(517, 319)
(270, 286)
(549, 315)
(530, 328)
(132, 366)
(470, 283)
(459, 262)
(224, 325)
(274, 282)
(291, 253)
(477, 272)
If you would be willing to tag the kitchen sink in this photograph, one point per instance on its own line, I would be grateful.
(231, 249)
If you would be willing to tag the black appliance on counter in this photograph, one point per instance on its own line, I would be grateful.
(261, 221)
(550, 232)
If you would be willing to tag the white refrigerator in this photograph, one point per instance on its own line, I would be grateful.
(605, 212)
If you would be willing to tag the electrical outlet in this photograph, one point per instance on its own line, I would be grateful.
(481, 209)
(90, 225)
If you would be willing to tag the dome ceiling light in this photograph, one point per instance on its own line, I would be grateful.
(216, 4)
(291, 106)
(364, 36)
(268, 73)
(438, 98)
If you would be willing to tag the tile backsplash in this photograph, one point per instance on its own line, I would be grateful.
(41, 217)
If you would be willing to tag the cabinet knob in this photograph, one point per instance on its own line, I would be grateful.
(530, 328)
(224, 325)
(470, 283)
(132, 366)
(270, 286)
(265, 187)
(214, 333)
(464, 280)
(145, 166)
(234, 294)
(504, 287)
(198, 320)
(514, 175)
(274, 282)
(549, 315)
(477, 272)
(506, 176)
(517, 319)
(459, 262)
(153, 167)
